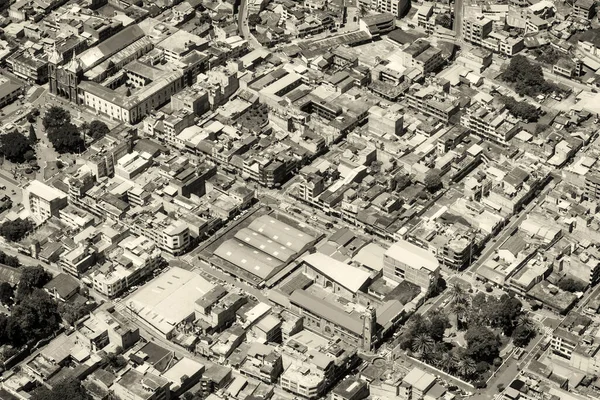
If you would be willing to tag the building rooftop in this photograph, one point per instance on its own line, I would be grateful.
(413, 256)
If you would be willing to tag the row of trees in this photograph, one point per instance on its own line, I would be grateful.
(11, 261)
(16, 230)
(527, 77)
(68, 389)
(522, 109)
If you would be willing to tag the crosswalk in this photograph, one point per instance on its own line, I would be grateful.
(498, 396)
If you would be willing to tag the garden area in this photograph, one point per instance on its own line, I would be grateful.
(527, 78)
(466, 341)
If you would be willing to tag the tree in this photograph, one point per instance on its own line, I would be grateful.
(402, 181)
(466, 367)
(11, 261)
(253, 20)
(444, 20)
(97, 129)
(522, 335)
(448, 362)
(71, 390)
(528, 77)
(506, 313)
(66, 138)
(438, 323)
(571, 285)
(37, 315)
(7, 294)
(56, 117)
(521, 109)
(362, 10)
(422, 344)
(14, 146)
(115, 362)
(31, 278)
(15, 230)
(482, 344)
(433, 180)
(32, 135)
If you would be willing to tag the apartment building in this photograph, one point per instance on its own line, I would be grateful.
(134, 385)
(490, 123)
(405, 261)
(476, 28)
(42, 201)
(429, 101)
(78, 260)
(170, 235)
(378, 24)
(422, 56)
(132, 259)
(386, 121)
(584, 9)
(592, 186)
(395, 7)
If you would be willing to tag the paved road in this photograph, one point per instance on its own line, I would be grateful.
(243, 27)
(458, 18)
(28, 261)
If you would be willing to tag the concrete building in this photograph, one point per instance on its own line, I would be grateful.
(395, 7)
(329, 320)
(134, 385)
(133, 259)
(350, 389)
(386, 121)
(489, 122)
(476, 28)
(170, 299)
(405, 261)
(378, 24)
(43, 201)
(584, 9)
(422, 56)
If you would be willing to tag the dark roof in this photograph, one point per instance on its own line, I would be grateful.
(326, 310)
(62, 285)
(402, 37)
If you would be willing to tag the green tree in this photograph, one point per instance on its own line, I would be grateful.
(97, 129)
(56, 117)
(482, 344)
(31, 278)
(71, 390)
(402, 181)
(253, 20)
(422, 344)
(7, 294)
(466, 367)
(32, 135)
(37, 315)
(571, 285)
(433, 180)
(438, 323)
(15, 230)
(66, 139)
(14, 146)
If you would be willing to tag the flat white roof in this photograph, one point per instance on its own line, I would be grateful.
(169, 299)
(413, 255)
(44, 191)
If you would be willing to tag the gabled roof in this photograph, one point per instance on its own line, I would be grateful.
(346, 275)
